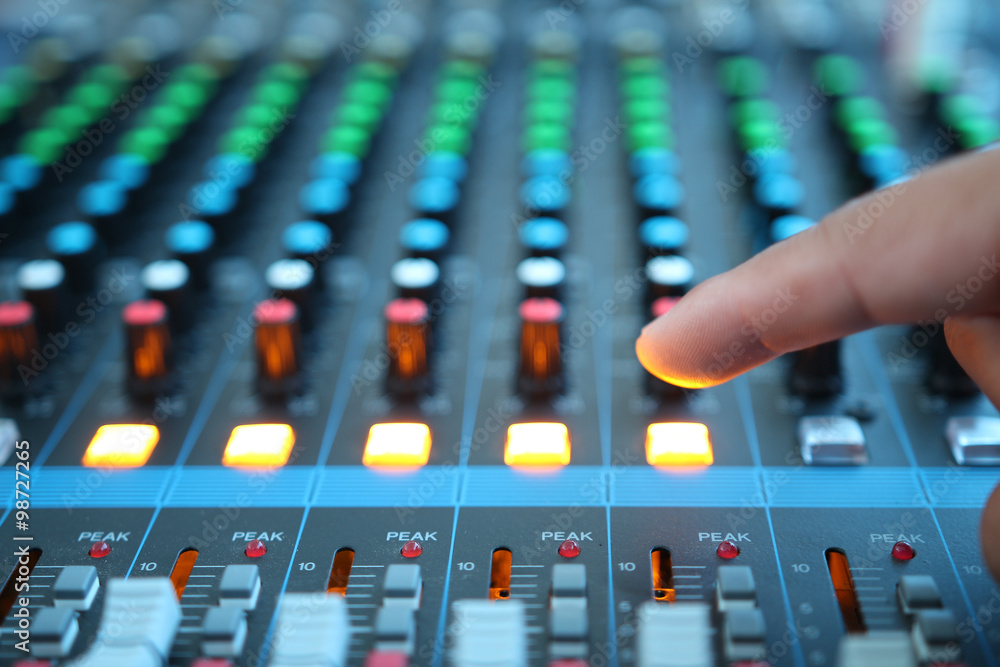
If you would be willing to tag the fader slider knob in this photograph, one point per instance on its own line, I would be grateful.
(408, 341)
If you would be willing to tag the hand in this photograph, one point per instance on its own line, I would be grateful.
(929, 249)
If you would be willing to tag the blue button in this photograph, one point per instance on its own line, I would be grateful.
(190, 238)
(658, 192)
(211, 199)
(446, 164)
(8, 197)
(663, 234)
(544, 235)
(883, 163)
(71, 238)
(130, 170)
(546, 162)
(324, 197)
(102, 199)
(424, 235)
(789, 225)
(337, 164)
(306, 238)
(21, 171)
(545, 193)
(779, 191)
(647, 161)
(763, 161)
(231, 170)
(434, 195)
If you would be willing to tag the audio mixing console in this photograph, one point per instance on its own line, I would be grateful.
(318, 321)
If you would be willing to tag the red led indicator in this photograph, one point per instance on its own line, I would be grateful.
(406, 311)
(663, 305)
(411, 549)
(275, 311)
(15, 313)
(540, 310)
(99, 549)
(569, 549)
(727, 550)
(146, 312)
(255, 549)
(903, 551)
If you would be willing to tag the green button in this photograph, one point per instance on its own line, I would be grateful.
(276, 93)
(748, 110)
(67, 117)
(453, 113)
(461, 69)
(977, 131)
(552, 67)
(259, 116)
(641, 66)
(21, 79)
(365, 116)
(650, 134)
(451, 138)
(549, 111)
(368, 91)
(375, 71)
(148, 142)
(290, 73)
(546, 135)
(189, 97)
(169, 118)
(551, 88)
(644, 87)
(347, 138)
(839, 75)
(45, 144)
(642, 110)
(956, 108)
(96, 98)
(870, 132)
(758, 134)
(251, 142)
(457, 90)
(9, 101)
(110, 75)
(742, 76)
(852, 109)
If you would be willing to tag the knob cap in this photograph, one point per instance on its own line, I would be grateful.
(295, 280)
(408, 339)
(668, 275)
(150, 347)
(816, 371)
(168, 280)
(78, 248)
(18, 342)
(278, 342)
(541, 370)
(42, 283)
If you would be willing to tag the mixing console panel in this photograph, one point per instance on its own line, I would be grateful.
(318, 321)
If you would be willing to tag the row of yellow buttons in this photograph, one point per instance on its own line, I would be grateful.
(397, 445)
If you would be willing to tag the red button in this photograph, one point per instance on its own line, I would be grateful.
(255, 549)
(903, 551)
(569, 549)
(411, 549)
(727, 550)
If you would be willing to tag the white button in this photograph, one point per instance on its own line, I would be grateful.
(832, 441)
(974, 441)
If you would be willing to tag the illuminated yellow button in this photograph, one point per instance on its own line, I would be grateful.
(121, 446)
(259, 446)
(397, 445)
(678, 444)
(542, 444)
